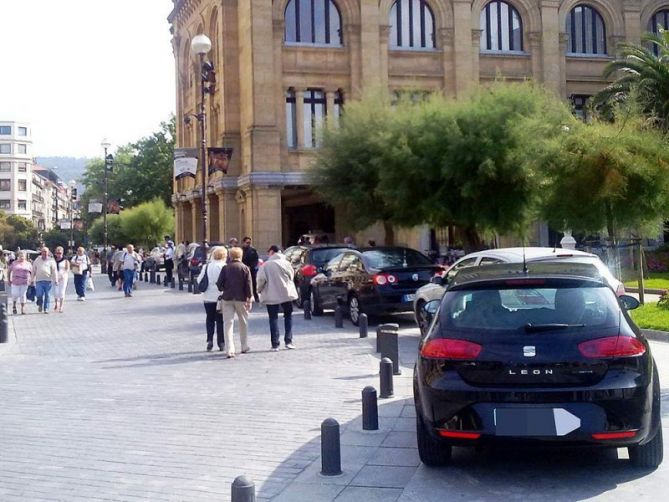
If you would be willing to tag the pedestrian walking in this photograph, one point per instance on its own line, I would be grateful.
(234, 282)
(129, 263)
(169, 262)
(44, 269)
(250, 259)
(276, 288)
(214, 319)
(20, 276)
(118, 267)
(60, 279)
(81, 268)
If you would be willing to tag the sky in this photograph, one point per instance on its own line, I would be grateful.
(82, 70)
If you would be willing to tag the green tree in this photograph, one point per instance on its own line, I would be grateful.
(642, 76)
(57, 237)
(17, 231)
(605, 176)
(147, 223)
(115, 233)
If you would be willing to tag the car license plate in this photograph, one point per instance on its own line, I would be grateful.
(535, 422)
(408, 298)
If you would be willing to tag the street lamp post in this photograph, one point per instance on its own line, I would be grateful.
(200, 46)
(107, 160)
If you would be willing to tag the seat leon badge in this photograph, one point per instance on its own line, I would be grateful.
(529, 351)
(414, 277)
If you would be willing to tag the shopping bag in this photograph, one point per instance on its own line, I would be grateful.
(30, 293)
(89, 284)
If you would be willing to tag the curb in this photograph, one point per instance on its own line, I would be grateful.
(656, 335)
(646, 291)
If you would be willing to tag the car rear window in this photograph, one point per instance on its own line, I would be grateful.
(320, 257)
(400, 257)
(530, 308)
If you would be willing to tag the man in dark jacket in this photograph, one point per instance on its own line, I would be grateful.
(235, 283)
(250, 259)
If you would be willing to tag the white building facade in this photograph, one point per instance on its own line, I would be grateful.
(16, 168)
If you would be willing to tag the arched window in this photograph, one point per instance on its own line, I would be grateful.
(411, 25)
(658, 20)
(586, 30)
(315, 22)
(501, 28)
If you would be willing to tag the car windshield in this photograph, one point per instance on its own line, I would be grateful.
(321, 256)
(532, 309)
(395, 257)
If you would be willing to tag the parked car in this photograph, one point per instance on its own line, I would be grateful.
(568, 367)
(435, 290)
(308, 261)
(371, 280)
(155, 260)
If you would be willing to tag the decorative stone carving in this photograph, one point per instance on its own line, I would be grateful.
(447, 35)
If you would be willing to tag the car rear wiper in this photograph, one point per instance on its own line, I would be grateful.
(534, 328)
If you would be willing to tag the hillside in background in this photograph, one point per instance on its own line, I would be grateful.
(67, 168)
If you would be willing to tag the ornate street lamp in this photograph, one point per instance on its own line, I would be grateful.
(200, 47)
(108, 159)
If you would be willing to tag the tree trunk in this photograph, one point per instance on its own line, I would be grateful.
(389, 239)
(471, 239)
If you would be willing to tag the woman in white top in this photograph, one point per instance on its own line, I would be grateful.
(60, 279)
(212, 270)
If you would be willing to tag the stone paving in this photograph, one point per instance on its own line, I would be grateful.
(116, 399)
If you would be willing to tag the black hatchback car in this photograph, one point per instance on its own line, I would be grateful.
(308, 261)
(547, 355)
(372, 281)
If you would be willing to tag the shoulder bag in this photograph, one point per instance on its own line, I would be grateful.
(203, 285)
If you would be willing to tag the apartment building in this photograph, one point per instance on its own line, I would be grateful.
(15, 168)
(283, 66)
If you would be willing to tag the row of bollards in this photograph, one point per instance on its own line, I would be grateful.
(4, 322)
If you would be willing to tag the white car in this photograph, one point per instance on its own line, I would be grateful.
(435, 290)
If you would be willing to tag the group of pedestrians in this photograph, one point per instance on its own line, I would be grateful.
(232, 287)
(123, 264)
(46, 273)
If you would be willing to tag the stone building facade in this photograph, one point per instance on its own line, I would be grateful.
(284, 66)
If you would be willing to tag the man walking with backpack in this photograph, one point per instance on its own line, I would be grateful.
(130, 262)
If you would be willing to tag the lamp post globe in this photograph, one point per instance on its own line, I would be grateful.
(200, 45)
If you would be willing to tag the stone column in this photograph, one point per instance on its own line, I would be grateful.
(384, 34)
(633, 28)
(299, 114)
(462, 45)
(476, 53)
(446, 45)
(329, 107)
(195, 221)
(370, 48)
(534, 38)
(564, 40)
(222, 234)
(551, 44)
(352, 32)
(266, 223)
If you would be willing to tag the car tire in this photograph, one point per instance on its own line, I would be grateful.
(432, 452)
(354, 309)
(316, 308)
(650, 455)
(420, 317)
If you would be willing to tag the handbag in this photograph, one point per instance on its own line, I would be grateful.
(30, 293)
(203, 285)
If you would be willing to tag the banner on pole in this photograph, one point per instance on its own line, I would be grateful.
(185, 162)
(95, 207)
(219, 159)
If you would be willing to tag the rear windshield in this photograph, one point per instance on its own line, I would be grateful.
(529, 308)
(320, 257)
(400, 257)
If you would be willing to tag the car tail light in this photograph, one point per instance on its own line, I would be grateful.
(612, 346)
(614, 435)
(458, 434)
(446, 348)
(620, 290)
(309, 271)
(383, 279)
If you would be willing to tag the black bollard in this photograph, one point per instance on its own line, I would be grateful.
(386, 378)
(388, 343)
(370, 409)
(339, 317)
(146, 277)
(382, 328)
(330, 448)
(152, 277)
(190, 286)
(363, 325)
(243, 490)
(306, 307)
(158, 279)
(173, 284)
(4, 323)
(181, 283)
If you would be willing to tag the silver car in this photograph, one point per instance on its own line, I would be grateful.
(435, 290)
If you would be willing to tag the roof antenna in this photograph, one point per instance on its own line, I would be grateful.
(524, 261)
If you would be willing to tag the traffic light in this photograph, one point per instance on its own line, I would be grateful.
(73, 194)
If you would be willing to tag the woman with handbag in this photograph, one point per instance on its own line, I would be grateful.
(60, 280)
(20, 277)
(81, 266)
(209, 274)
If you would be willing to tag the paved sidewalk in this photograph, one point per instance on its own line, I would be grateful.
(117, 399)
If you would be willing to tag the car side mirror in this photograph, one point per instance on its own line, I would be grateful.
(437, 279)
(430, 309)
(629, 302)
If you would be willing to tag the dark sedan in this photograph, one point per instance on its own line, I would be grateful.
(547, 355)
(308, 261)
(372, 280)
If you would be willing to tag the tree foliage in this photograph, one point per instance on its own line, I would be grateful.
(147, 223)
(57, 237)
(115, 233)
(642, 76)
(17, 231)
